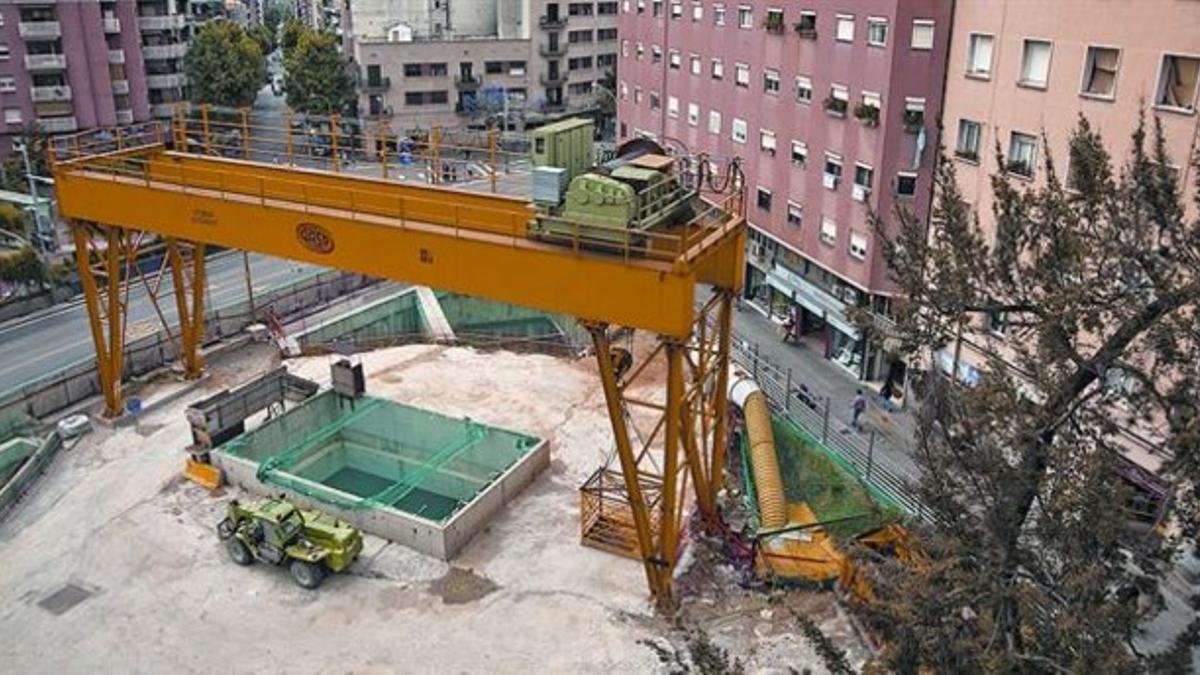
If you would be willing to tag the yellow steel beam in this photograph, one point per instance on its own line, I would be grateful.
(486, 254)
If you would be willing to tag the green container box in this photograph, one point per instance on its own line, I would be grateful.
(567, 144)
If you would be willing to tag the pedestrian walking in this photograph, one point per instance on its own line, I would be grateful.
(858, 407)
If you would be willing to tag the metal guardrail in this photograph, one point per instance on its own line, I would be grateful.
(881, 475)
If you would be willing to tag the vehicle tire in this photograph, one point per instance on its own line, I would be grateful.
(306, 574)
(238, 552)
(225, 528)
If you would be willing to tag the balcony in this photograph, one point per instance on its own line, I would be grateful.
(163, 109)
(112, 25)
(553, 51)
(549, 80)
(60, 92)
(120, 87)
(555, 107)
(164, 22)
(58, 125)
(116, 56)
(552, 22)
(45, 61)
(39, 30)
(124, 117)
(168, 81)
(171, 51)
(377, 86)
(466, 82)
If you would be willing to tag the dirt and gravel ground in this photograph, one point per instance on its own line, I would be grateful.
(112, 563)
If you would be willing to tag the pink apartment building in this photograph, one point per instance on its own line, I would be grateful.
(832, 105)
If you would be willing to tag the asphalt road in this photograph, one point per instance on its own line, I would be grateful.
(37, 346)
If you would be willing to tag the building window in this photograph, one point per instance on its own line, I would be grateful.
(1035, 64)
(426, 98)
(12, 115)
(922, 34)
(795, 214)
(606, 35)
(718, 69)
(738, 130)
(697, 12)
(672, 106)
(579, 36)
(799, 153)
(676, 10)
(608, 60)
(979, 55)
(771, 81)
(804, 89)
(656, 7)
(624, 91)
(877, 31)
(774, 21)
(838, 101)
(745, 16)
(718, 14)
(845, 28)
(8, 84)
(695, 64)
(914, 113)
(1022, 151)
(641, 6)
(864, 177)
(828, 231)
(906, 184)
(714, 122)
(609, 8)
(858, 245)
(1177, 82)
(741, 75)
(967, 145)
(764, 198)
(1100, 71)
(675, 59)
(637, 95)
(655, 103)
(4, 53)
(655, 54)
(641, 51)
(693, 114)
(868, 110)
(580, 9)
(833, 170)
(766, 141)
(806, 27)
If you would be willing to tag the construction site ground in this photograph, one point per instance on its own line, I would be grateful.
(112, 562)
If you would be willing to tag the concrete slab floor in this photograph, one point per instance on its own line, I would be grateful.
(113, 517)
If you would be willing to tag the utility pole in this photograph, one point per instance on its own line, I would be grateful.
(19, 146)
(249, 286)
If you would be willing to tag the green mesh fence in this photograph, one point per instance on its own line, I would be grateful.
(380, 454)
(396, 316)
(473, 316)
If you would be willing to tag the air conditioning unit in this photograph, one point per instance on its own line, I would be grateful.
(861, 192)
(831, 181)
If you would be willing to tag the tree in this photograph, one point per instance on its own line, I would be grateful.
(225, 66)
(12, 171)
(22, 267)
(12, 220)
(265, 37)
(316, 79)
(292, 31)
(276, 12)
(1030, 567)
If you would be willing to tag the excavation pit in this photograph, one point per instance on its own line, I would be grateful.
(403, 473)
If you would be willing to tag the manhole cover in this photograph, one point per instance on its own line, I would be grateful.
(64, 598)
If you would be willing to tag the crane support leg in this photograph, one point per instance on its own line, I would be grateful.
(191, 319)
(100, 275)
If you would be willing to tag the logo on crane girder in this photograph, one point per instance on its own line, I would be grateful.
(315, 238)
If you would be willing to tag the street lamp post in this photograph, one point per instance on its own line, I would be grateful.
(19, 146)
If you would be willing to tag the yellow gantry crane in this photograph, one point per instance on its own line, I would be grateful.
(161, 185)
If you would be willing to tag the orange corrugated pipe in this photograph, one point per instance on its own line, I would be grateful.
(764, 463)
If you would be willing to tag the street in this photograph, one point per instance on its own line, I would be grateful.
(42, 344)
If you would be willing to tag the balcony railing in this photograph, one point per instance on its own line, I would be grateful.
(112, 25)
(552, 51)
(162, 109)
(164, 22)
(171, 51)
(466, 82)
(549, 80)
(60, 92)
(382, 84)
(124, 117)
(552, 22)
(116, 56)
(168, 81)
(45, 61)
(39, 29)
(120, 87)
(58, 125)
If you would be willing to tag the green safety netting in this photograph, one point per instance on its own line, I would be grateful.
(814, 474)
(380, 454)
